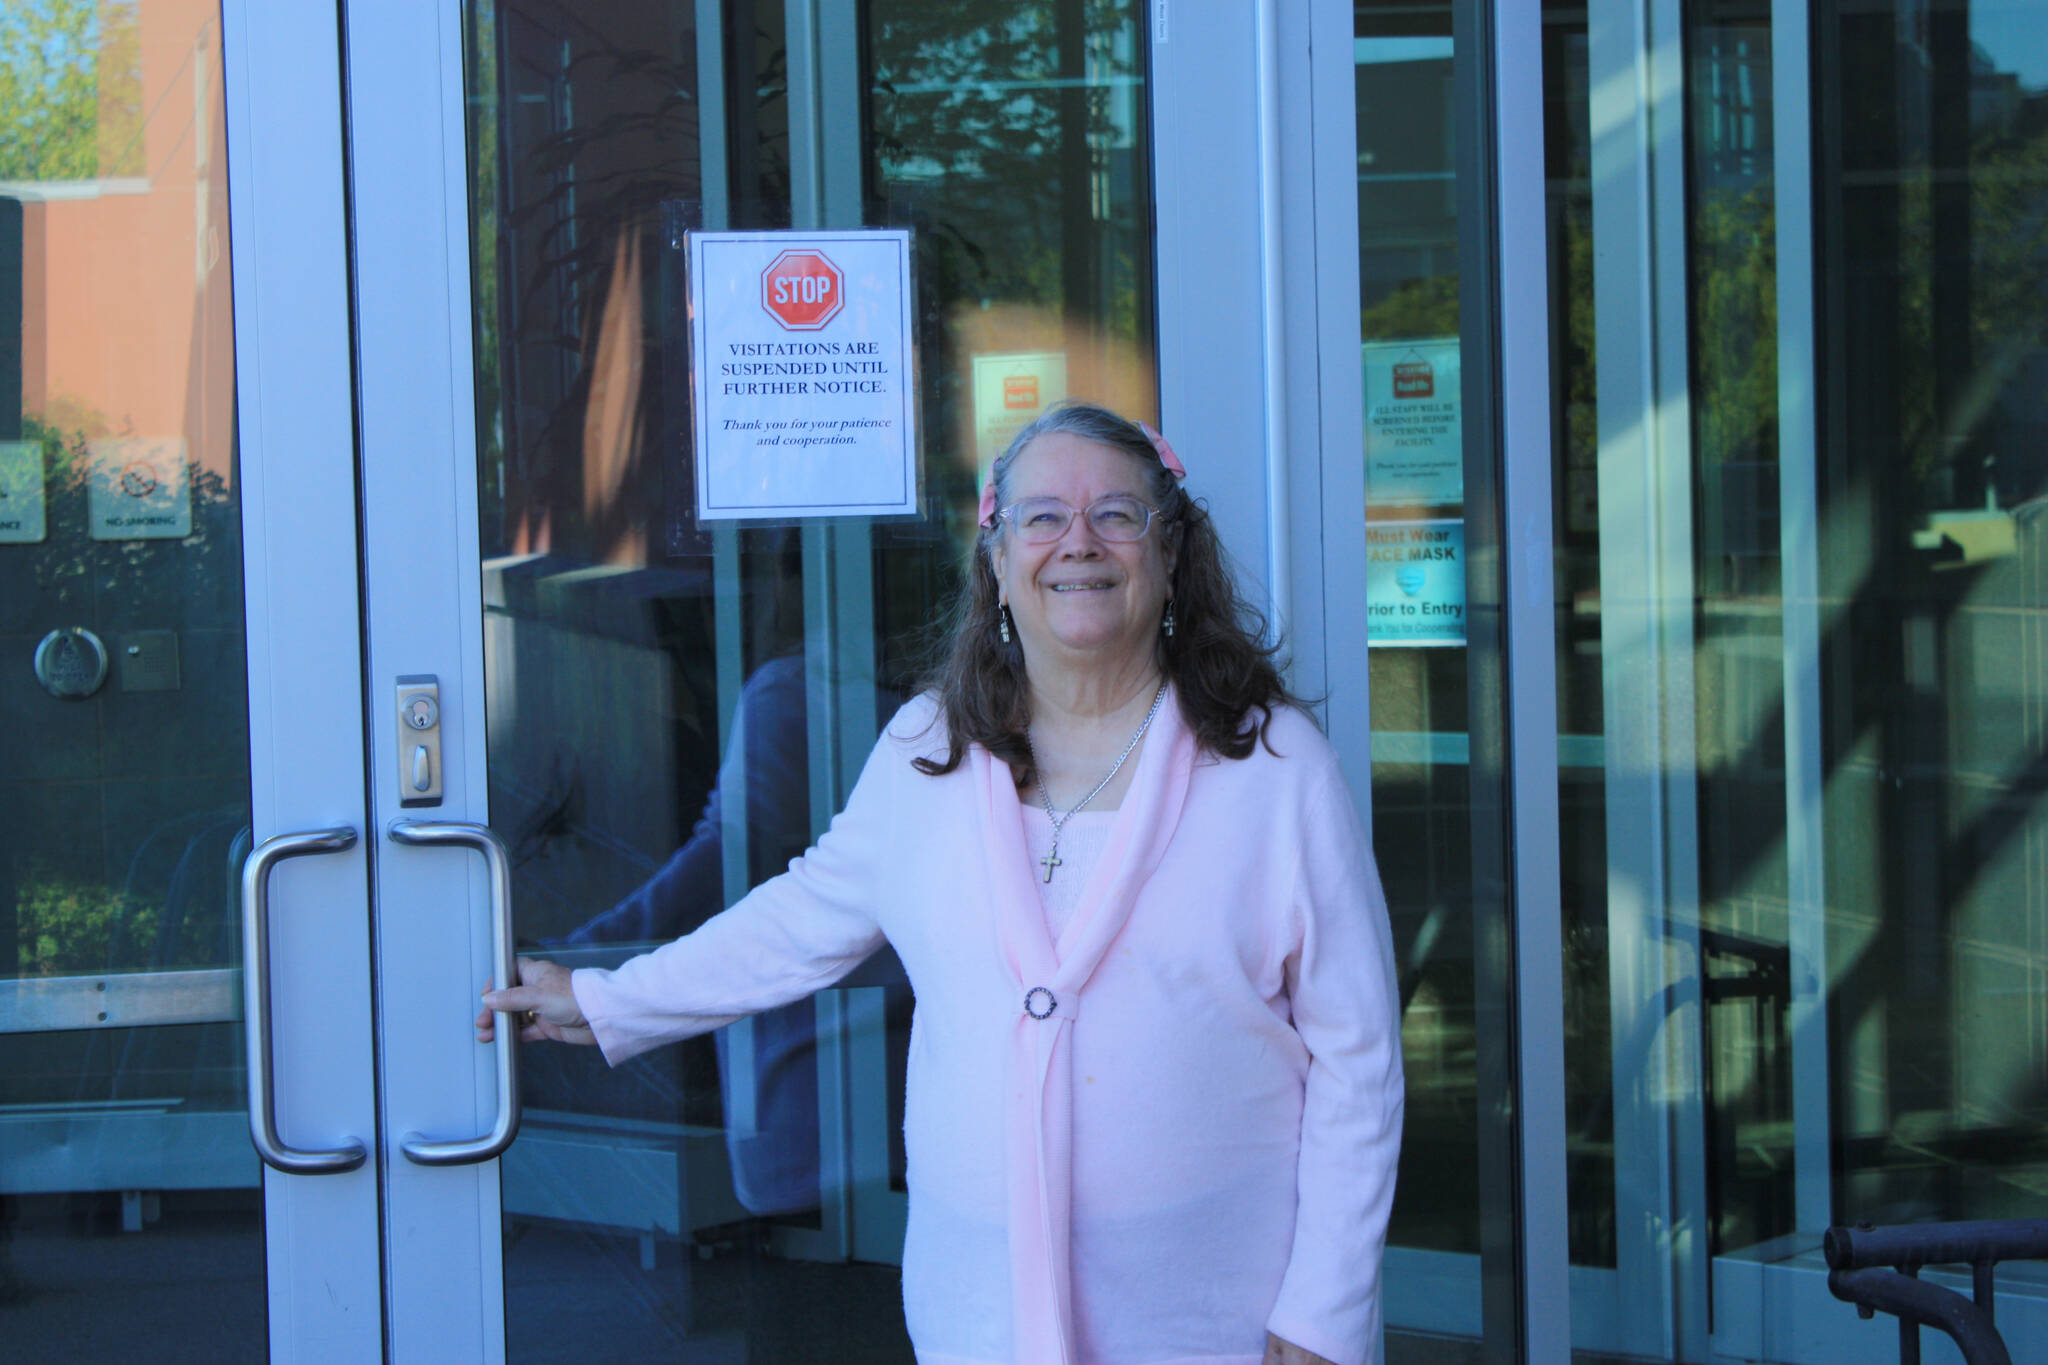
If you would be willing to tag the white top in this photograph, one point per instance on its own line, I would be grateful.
(1082, 839)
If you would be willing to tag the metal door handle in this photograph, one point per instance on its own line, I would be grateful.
(256, 1005)
(417, 1147)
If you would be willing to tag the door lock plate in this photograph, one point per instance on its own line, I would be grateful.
(419, 740)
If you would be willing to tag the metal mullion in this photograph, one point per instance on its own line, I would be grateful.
(1799, 560)
(423, 604)
(742, 1099)
(1273, 325)
(713, 175)
(1646, 594)
(288, 219)
(1330, 491)
(1521, 394)
(825, 192)
(825, 164)
(1675, 556)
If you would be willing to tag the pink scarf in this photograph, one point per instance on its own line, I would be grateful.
(1051, 980)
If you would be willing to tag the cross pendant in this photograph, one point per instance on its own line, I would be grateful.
(1049, 862)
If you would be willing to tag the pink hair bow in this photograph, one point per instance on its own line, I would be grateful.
(1166, 455)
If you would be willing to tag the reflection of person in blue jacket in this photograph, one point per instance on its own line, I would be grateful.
(771, 1112)
(767, 759)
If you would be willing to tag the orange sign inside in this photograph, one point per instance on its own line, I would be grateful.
(1414, 379)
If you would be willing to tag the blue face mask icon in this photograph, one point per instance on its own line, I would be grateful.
(1410, 578)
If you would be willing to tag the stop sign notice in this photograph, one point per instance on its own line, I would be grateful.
(803, 290)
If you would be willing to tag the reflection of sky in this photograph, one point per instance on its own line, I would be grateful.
(2015, 38)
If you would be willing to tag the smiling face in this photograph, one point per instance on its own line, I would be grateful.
(1082, 602)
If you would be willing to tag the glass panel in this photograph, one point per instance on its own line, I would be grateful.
(1436, 827)
(1582, 786)
(129, 1199)
(1930, 191)
(675, 709)
(1744, 890)
(1415, 502)
(1840, 872)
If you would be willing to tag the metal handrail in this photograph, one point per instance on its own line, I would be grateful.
(1917, 1244)
(1877, 1269)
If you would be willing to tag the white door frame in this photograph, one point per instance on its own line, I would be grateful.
(294, 409)
(422, 602)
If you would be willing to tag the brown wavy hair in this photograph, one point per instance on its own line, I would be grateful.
(1226, 679)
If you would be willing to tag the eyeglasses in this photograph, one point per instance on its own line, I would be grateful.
(1118, 517)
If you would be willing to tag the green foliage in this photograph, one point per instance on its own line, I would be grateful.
(64, 444)
(70, 90)
(1002, 122)
(66, 926)
(1419, 308)
(119, 141)
(1735, 324)
(485, 190)
(1578, 355)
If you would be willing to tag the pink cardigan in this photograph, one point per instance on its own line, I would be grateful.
(1196, 1144)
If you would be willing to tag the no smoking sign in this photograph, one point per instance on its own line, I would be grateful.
(139, 489)
(139, 479)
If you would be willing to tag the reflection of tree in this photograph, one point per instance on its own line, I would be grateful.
(164, 909)
(70, 90)
(67, 925)
(1578, 361)
(586, 189)
(1735, 324)
(1011, 131)
(2006, 276)
(1426, 307)
(580, 185)
(485, 181)
(120, 91)
(584, 124)
(202, 571)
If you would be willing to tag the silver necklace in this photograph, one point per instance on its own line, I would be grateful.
(1052, 859)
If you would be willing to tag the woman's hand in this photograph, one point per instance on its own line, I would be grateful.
(1280, 1352)
(544, 1000)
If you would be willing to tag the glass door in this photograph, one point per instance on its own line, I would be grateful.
(1798, 640)
(640, 715)
(1442, 488)
(650, 714)
(1430, 705)
(180, 694)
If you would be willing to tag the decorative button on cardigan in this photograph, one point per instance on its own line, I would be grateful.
(1195, 1144)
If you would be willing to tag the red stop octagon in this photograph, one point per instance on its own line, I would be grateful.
(803, 290)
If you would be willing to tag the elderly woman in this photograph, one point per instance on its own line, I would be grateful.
(1154, 1092)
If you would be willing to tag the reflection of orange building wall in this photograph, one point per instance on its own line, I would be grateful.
(126, 314)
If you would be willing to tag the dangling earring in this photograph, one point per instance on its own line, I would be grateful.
(1003, 620)
(1168, 622)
